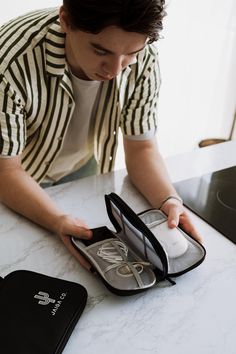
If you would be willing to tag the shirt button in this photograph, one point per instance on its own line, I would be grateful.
(47, 163)
(114, 133)
(110, 158)
(59, 138)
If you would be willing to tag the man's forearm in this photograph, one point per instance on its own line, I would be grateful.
(22, 194)
(148, 173)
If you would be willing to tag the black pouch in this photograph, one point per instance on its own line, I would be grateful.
(38, 312)
(138, 255)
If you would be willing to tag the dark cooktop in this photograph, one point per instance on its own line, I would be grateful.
(213, 198)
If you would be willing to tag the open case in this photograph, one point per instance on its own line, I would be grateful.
(142, 252)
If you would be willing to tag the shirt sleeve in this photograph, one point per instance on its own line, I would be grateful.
(139, 113)
(146, 136)
(12, 120)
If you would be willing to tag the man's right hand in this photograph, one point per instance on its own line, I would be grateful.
(22, 194)
(69, 226)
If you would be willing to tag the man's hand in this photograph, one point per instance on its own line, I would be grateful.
(178, 216)
(148, 173)
(69, 226)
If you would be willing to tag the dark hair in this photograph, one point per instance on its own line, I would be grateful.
(141, 16)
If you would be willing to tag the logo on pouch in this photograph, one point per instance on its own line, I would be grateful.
(44, 298)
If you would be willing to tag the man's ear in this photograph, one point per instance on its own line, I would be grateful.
(64, 20)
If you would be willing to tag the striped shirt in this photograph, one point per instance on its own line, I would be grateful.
(36, 95)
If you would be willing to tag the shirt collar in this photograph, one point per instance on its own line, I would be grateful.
(55, 50)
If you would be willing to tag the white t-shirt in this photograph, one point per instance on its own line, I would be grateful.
(77, 147)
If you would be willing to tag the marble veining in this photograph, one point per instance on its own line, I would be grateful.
(197, 315)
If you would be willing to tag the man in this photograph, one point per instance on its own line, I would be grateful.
(68, 80)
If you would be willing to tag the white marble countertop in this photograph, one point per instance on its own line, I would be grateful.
(197, 315)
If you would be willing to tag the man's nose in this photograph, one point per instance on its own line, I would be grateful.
(114, 66)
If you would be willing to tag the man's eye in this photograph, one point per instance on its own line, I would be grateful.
(99, 52)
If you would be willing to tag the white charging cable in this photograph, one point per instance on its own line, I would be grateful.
(116, 252)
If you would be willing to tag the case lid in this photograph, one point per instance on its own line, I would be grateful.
(132, 230)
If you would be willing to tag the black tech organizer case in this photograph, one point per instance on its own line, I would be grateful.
(38, 313)
(137, 256)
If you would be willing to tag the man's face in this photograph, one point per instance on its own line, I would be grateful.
(104, 55)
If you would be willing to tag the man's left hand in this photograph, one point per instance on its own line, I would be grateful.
(177, 216)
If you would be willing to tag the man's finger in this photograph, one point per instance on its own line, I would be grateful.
(196, 235)
(188, 227)
(82, 232)
(173, 218)
(67, 242)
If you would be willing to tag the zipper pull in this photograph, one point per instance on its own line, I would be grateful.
(172, 282)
